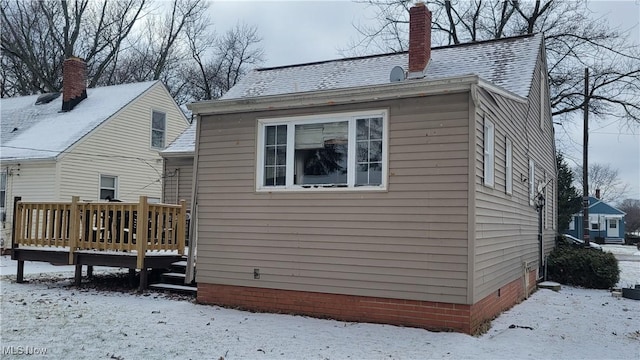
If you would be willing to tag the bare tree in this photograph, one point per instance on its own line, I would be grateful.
(632, 218)
(38, 35)
(230, 58)
(175, 43)
(604, 178)
(573, 39)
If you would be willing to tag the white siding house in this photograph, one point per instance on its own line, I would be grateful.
(106, 147)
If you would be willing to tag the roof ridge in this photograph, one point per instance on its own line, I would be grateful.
(362, 57)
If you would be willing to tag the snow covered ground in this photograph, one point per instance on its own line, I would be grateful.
(80, 323)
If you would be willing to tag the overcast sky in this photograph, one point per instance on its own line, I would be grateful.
(295, 32)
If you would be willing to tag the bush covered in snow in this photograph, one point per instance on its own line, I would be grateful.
(588, 268)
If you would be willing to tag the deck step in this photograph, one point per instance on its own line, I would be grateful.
(182, 263)
(174, 287)
(175, 275)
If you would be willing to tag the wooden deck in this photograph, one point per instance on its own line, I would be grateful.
(99, 234)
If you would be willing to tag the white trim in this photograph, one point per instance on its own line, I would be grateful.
(115, 185)
(543, 95)
(368, 93)
(508, 165)
(164, 131)
(489, 141)
(291, 123)
(532, 182)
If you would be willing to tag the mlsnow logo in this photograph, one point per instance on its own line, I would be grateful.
(23, 350)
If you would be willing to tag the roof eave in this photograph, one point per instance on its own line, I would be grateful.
(397, 90)
(174, 154)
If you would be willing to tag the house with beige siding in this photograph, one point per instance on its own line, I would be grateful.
(99, 144)
(414, 188)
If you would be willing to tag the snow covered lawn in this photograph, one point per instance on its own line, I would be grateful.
(81, 323)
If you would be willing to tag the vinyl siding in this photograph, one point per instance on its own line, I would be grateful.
(506, 225)
(122, 147)
(33, 181)
(178, 181)
(407, 242)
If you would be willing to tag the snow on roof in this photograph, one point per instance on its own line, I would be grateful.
(508, 63)
(30, 131)
(184, 143)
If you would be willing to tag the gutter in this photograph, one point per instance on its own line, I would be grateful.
(388, 91)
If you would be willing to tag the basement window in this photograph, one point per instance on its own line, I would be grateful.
(329, 152)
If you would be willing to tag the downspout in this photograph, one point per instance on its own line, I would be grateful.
(193, 228)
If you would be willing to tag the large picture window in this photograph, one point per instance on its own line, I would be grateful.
(322, 152)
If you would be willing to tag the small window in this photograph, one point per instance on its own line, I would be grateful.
(489, 144)
(532, 182)
(613, 224)
(334, 151)
(572, 224)
(158, 130)
(543, 97)
(595, 226)
(3, 189)
(108, 187)
(508, 167)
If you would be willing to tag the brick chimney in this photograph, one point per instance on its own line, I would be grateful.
(74, 82)
(419, 38)
(598, 194)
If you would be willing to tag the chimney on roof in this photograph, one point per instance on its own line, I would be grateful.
(598, 194)
(74, 82)
(419, 38)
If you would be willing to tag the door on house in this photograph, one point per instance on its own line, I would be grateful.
(612, 228)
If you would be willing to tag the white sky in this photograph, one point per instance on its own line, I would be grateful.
(296, 32)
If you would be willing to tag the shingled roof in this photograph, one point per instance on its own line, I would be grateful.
(184, 144)
(508, 63)
(30, 131)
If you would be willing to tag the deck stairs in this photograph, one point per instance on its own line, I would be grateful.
(173, 280)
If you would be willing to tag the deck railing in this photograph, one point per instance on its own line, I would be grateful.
(102, 226)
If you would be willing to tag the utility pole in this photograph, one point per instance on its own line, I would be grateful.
(585, 163)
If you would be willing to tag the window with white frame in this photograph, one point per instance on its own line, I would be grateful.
(532, 182)
(323, 152)
(508, 163)
(3, 189)
(543, 97)
(108, 187)
(158, 129)
(489, 150)
(572, 224)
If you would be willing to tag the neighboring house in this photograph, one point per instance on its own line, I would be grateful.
(178, 168)
(399, 188)
(605, 221)
(100, 143)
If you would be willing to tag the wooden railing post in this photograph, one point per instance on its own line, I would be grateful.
(17, 225)
(74, 227)
(142, 230)
(182, 223)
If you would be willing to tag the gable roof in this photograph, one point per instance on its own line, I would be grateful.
(30, 131)
(508, 63)
(184, 144)
(597, 206)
